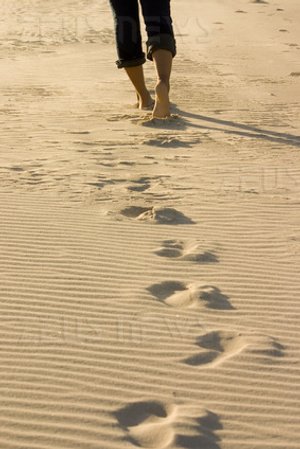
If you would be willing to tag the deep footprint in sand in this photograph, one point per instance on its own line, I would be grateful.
(156, 424)
(190, 250)
(148, 423)
(219, 346)
(192, 296)
(160, 215)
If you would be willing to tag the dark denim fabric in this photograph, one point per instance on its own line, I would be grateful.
(157, 17)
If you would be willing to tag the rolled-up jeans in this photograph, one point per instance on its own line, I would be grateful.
(158, 21)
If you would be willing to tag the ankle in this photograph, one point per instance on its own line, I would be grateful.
(144, 96)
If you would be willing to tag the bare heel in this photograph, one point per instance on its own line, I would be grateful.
(162, 103)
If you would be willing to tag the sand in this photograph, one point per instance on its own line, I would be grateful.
(150, 270)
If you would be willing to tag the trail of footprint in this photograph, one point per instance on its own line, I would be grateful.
(160, 215)
(219, 346)
(156, 424)
(25, 93)
(189, 250)
(181, 295)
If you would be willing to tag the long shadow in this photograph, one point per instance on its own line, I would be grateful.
(248, 130)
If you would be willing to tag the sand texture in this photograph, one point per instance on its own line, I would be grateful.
(150, 285)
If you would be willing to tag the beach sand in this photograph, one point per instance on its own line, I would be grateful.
(150, 269)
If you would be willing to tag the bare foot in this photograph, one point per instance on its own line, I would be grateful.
(145, 104)
(162, 104)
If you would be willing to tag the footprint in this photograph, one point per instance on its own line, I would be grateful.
(155, 424)
(148, 423)
(190, 250)
(202, 435)
(140, 184)
(174, 121)
(218, 346)
(192, 296)
(171, 141)
(160, 215)
(153, 185)
(120, 117)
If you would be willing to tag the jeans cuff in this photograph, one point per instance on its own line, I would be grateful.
(161, 42)
(131, 62)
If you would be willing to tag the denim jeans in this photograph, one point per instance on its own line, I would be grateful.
(157, 18)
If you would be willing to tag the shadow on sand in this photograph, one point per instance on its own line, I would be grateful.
(181, 121)
(225, 125)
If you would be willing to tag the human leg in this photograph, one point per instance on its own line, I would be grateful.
(163, 64)
(127, 33)
(129, 46)
(161, 48)
(136, 76)
(158, 21)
